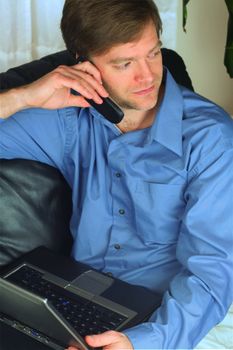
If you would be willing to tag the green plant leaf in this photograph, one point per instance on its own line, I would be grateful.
(228, 58)
(185, 14)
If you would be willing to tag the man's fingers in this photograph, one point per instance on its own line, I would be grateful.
(88, 67)
(82, 88)
(110, 340)
(103, 339)
(85, 78)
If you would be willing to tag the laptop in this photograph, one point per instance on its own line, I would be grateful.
(58, 301)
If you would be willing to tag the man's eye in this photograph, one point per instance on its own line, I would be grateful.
(154, 54)
(123, 66)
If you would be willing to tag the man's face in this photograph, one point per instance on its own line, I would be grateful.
(132, 72)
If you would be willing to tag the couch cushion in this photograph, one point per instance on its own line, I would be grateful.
(35, 209)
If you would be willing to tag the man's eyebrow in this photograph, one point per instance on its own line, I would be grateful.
(157, 46)
(119, 60)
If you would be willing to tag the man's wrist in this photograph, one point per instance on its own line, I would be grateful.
(19, 96)
(12, 101)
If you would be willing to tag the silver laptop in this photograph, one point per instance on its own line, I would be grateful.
(58, 301)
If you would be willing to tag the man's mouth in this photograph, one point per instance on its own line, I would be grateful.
(144, 91)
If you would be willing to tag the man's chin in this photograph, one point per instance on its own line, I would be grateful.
(138, 106)
(141, 103)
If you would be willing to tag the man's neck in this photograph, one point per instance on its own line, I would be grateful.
(136, 120)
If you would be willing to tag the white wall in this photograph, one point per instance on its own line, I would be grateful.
(202, 49)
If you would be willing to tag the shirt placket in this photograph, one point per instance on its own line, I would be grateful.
(120, 204)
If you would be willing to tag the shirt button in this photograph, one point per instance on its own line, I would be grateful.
(109, 274)
(117, 246)
(122, 211)
(118, 174)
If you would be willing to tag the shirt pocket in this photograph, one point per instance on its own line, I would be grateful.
(158, 211)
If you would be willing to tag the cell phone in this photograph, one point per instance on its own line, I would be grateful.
(109, 109)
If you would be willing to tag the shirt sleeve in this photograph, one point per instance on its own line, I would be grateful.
(200, 295)
(35, 134)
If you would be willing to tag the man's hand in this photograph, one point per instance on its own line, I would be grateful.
(110, 340)
(53, 90)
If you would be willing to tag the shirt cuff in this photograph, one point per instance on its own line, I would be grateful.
(143, 336)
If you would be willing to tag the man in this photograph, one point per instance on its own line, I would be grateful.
(157, 187)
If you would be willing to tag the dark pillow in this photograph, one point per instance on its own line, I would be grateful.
(29, 72)
(177, 67)
(35, 209)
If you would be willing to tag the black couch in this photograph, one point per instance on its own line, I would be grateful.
(35, 200)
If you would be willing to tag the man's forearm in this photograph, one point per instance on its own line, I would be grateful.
(12, 101)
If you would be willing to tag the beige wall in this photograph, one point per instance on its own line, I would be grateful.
(202, 48)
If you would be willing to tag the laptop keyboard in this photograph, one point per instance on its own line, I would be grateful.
(85, 316)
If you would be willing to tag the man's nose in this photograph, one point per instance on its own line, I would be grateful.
(144, 73)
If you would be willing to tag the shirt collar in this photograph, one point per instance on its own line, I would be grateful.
(167, 126)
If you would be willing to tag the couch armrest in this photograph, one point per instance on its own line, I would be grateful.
(35, 207)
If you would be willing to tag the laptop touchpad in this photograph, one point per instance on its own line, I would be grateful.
(92, 282)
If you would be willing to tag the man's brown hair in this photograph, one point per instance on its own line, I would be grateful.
(91, 27)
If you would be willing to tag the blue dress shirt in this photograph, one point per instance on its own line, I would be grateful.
(154, 207)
